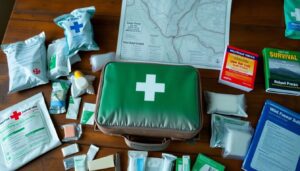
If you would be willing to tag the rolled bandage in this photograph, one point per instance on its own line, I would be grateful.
(99, 60)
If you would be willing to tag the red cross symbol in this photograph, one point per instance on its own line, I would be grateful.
(36, 71)
(16, 115)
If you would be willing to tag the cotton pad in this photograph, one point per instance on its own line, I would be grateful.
(227, 104)
(26, 63)
(78, 29)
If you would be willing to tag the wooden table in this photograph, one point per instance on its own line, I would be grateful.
(254, 25)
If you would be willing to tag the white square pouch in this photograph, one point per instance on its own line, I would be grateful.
(26, 132)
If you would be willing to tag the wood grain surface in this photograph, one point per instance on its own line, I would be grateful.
(255, 24)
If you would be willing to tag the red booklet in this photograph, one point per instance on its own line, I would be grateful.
(239, 68)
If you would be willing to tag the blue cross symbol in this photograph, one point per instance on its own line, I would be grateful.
(76, 27)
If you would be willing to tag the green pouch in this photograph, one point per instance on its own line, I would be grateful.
(149, 100)
(292, 18)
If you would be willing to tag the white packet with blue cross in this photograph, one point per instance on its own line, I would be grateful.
(26, 63)
(78, 29)
(59, 61)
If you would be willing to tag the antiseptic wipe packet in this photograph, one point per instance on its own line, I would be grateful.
(26, 63)
(292, 18)
(78, 29)
(26, 132)
(59, 61)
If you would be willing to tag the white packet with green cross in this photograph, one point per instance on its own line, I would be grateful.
(59, 61)
(26, 132)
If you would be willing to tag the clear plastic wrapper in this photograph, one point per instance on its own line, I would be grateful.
(226, 104)
(26, 63)
(78, 29)
(72, 132)
(218, 123)
(58, 96)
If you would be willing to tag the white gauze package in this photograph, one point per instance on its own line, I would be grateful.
(26, 132)
(26, 63)
(226, 104)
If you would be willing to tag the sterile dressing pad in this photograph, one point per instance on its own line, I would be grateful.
(27, 126)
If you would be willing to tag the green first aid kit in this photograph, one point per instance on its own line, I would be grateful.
(151, 100)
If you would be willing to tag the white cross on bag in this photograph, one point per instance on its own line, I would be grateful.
(296, 14)
(150, 87)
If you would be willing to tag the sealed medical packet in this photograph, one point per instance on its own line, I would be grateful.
(26, 63)
(78, 29)
(26, 132)
(59, 61)
(218, 126)
(73, 107)
(226, 104)
(58, 96)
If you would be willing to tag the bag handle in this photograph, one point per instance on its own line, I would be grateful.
(147, 146)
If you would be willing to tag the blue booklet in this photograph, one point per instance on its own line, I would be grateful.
(276, 142)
